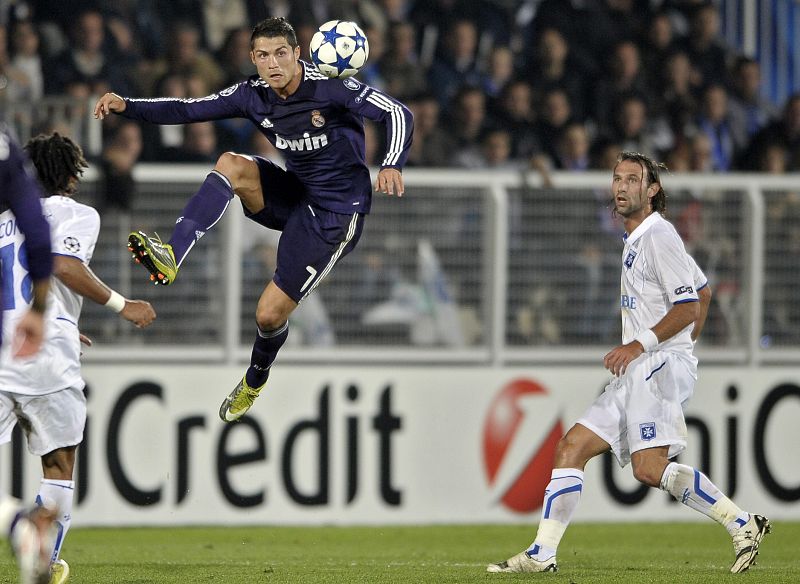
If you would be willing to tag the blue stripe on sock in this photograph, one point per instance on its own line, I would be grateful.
(741, 522)
(699, 491)
(550, 499)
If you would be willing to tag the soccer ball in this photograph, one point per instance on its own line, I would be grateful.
(339, 49)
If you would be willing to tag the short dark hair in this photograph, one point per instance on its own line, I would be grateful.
(652, 170)
(275, 26)
(57, 160)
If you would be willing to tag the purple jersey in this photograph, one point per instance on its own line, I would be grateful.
(319, 129)
(21, 193)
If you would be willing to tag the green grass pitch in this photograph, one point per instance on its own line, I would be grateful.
(589, 553)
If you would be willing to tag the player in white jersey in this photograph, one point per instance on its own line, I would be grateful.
(45, 392)
(639, 416)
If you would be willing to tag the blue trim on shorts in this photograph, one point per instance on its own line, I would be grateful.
(654, 371)
(66, 319)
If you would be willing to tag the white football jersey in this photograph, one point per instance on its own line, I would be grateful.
(657, 273)
(74, 228)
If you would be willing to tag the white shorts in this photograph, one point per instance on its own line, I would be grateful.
(642, 409)
(50, 421)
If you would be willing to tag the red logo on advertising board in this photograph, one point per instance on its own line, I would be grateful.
(520, 435)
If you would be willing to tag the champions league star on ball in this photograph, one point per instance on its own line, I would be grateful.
(339, 49)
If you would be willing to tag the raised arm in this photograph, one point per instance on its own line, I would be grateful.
(166, 110)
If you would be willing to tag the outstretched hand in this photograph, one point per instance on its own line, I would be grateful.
(110, 102)
(390, 181)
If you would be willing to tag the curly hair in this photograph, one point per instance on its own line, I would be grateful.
(58, 160)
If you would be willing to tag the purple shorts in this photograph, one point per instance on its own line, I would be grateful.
(313, 239)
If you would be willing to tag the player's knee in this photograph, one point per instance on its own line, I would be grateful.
(236, 168)
(568, 453)
(269, 319)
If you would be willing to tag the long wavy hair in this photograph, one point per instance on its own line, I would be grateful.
(652, 172)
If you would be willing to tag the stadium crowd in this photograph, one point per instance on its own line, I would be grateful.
(552, 84)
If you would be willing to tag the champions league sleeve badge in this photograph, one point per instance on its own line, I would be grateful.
(72, 244)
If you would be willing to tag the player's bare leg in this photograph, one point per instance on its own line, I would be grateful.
(57, 489)
(695, 490)
(561, 498)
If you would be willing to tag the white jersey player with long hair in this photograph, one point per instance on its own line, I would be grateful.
(639, 417)
(44, 392)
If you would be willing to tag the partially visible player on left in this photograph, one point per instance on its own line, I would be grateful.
(45, 392)
(28, 529)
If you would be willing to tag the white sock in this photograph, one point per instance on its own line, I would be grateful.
(561, 498)
(695, 490)
(9, 509)
(58, 493)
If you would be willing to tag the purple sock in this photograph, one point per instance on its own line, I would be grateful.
(200, 214)
(265, 349)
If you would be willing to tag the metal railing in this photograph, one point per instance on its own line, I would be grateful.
(469, 267)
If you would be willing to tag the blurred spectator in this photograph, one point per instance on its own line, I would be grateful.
(626, 77)
(17, 85)
(709, 57)
(25, 57)
(516, 113)
(677, 100)
(658, 44)
(138, 26)
(185, 56)
(784, 131)
(745, 102)
(468, 120)
(493, 152)
(499, 70)
(400, 68)
(367, 13)
(727, 137)
(552, 65)
(119, 156)
(234, 56)
(572, 152)
(432, 145)
(372, 73)
(199, 144)
(638, 131)
(457, 65)
(555, 115)
(85, 60)
(219, 18)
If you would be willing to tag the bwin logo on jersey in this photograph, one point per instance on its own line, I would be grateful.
(307, 142)
(683, 290)
(630, 258)
(647, 431)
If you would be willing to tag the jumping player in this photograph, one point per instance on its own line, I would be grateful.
(319, 202)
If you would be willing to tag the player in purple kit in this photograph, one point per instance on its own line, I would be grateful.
(318, 202)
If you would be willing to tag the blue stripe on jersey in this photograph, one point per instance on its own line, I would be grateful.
(685, 301)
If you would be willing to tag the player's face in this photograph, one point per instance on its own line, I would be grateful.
(630, 189)
(277, 64)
